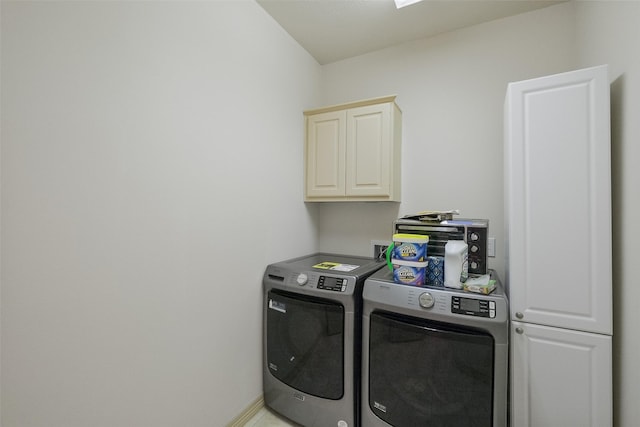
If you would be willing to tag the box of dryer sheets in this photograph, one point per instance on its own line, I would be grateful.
(481, 284)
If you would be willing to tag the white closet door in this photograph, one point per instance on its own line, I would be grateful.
(558, 200)
(559, 377)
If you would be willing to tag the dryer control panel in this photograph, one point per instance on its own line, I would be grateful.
(337, 284)
(324, 282)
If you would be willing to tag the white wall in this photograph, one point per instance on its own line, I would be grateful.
(150, 161)
(451, 89)
(609, 34)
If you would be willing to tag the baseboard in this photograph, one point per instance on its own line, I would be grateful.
(249, 412)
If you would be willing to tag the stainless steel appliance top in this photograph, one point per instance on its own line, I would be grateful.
(439, 303)
(322, 274)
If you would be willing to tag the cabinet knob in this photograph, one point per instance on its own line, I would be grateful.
(519, 315)
(519, 330)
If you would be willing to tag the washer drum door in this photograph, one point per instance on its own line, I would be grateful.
(427, 373)
(305, 343)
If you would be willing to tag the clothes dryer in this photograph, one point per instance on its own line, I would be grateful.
(433, 356)
(313, 338)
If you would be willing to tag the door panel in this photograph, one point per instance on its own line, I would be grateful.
(368, 151)
(559, 377)
(427, 373)
(305, 343)
(326, 136)
(558, 200)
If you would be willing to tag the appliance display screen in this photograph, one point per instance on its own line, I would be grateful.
(331, 282)
(467, 304)
(473, 307)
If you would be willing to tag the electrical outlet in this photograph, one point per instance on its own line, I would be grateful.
(379, 248)
(491, 247)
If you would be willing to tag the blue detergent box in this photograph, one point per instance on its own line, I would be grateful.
(410, 247)
(409, 272)
(435, 271)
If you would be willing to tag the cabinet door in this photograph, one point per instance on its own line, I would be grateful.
(559, 377)
(326, 137)
(369, 142)
(558, 200)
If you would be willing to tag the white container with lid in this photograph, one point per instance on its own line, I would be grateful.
(456, 264)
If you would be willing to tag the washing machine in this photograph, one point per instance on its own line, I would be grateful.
(433, 356)
(313, 337)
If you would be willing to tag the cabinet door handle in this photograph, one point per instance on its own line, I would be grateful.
(519, 315)
(519, 330)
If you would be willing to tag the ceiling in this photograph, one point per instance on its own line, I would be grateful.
(331, 30)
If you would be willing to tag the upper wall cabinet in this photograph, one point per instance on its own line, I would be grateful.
(352, 152)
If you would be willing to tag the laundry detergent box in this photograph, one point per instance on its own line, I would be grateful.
(410, 272)
(410, 247)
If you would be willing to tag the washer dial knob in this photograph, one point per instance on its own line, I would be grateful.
(302, 279)
(426, 300)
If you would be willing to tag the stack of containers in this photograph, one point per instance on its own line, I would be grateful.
(409, 259)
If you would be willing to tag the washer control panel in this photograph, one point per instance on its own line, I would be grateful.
(473, 307)
(435, 303)
(337, 284)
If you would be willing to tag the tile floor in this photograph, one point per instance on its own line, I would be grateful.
(267, 418)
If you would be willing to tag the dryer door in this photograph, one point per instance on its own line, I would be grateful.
(305, 343)
(427, 373)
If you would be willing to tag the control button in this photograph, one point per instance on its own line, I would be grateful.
(492, 313)
(474, 236)
(426, 300)
(492, 305)
(302, 279)
(474, 248)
